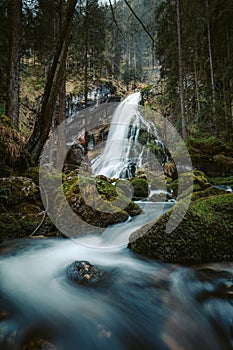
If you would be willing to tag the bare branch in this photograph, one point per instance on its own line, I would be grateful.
(139, 20)
(114, 19)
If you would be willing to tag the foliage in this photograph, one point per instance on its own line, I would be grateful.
(207, 111)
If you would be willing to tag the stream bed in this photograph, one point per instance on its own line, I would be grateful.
(138, 303)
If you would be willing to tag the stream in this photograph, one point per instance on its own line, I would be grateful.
(138, 303)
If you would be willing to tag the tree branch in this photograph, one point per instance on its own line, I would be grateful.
(139, 20)
(114, 19)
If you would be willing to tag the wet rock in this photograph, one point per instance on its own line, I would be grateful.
(141, 189)
(23, 220)
(205, 233)
(75, 154)
(83, 272)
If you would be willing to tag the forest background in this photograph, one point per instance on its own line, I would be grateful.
(178, 52)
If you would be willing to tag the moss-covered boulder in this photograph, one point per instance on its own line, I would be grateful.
(22, 221)
(212, 156)
(141, 188)
(197, 178)
(15, 190)
(95, 200)
(21, 210)
(222, 181)
(204, 235)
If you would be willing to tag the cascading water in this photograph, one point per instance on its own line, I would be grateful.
(123, 153)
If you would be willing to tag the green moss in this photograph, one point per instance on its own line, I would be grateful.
(209, 146)
(96, 200)
(141, 188)
(204, 235)
(210, 191)
(22, 220)
(6, 121)
(16, 190)
(197, 178)
(32, 173)
(222, 181)
(107, 191)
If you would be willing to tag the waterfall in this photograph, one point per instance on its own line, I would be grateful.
(123, 153)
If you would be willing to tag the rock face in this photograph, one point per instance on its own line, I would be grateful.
(204, 235)
(82, 272)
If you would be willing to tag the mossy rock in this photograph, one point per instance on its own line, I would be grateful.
(197, 178)
(160, 197)
(95, 200)
(14, 190)
(212, 156)
(205, 234)
(210, 191)
(22, 222)
(141, 188)
(157, 182)
(222, 181)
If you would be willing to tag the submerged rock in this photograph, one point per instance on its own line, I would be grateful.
(204, 235)
(83, 272)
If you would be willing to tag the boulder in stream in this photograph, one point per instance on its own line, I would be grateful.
(83, 272)
(204, 235)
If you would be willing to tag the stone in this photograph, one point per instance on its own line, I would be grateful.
(83, 272)
(141, 188)
(205, 234)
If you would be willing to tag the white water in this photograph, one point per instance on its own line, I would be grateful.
(123, 154)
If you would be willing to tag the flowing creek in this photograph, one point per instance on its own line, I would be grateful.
(138, 304)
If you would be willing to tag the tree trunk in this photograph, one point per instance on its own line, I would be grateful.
(44, 120)
(210, 54)
(62, 99)
(196, 85)
(180, 62)
(86, 57)
(13, 79)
